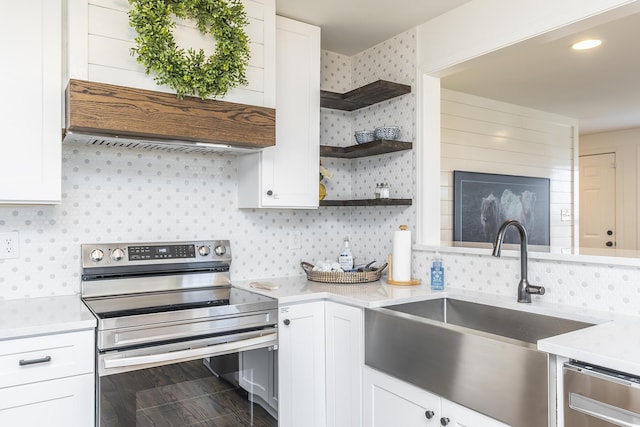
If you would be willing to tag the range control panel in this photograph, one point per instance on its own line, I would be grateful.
(123, 254)
(139, 253)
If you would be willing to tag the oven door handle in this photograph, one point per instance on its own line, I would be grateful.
(189, 354)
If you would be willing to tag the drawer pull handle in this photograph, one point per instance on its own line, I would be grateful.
(45, 359)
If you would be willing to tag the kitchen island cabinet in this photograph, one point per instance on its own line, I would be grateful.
(31, 164)
(48, 380)
(389, 401)
(286, 175)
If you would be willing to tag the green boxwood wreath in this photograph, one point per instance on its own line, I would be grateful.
(192, 72)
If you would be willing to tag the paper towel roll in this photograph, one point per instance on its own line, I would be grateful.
(401, 256)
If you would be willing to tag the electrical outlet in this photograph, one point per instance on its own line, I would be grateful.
(9, 245)
(295, 240)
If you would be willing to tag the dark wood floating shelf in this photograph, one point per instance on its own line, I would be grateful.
(380, 146)
(367, 202)
(364, 96)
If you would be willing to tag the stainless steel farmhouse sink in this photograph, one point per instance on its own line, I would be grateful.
(477, 355)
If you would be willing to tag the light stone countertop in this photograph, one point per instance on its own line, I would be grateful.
(614, 341)
(27, 317)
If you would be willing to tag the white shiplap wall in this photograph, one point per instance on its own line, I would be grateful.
(100, 41)
(488, 136)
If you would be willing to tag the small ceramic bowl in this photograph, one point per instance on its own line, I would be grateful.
(387, 132)
(363, 136)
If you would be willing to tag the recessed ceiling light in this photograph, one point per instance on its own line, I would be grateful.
(586, 44)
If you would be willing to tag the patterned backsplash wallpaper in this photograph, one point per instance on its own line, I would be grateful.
(116, 195)
(120, 196)
(585, 286)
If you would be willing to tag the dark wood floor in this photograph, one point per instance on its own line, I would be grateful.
(186, 394)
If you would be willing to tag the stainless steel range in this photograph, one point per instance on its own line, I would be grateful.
(164, 310)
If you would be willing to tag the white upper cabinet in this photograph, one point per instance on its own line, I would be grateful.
(286, 175)
(100, 41)
(31, 51)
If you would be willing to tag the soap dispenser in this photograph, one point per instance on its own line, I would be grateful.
(346, 256)
(437, 273)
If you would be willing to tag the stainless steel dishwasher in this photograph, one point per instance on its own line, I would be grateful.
(599, 397)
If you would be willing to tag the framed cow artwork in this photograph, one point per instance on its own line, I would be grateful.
(482, 202)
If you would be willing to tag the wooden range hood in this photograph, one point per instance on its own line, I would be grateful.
(109, 115)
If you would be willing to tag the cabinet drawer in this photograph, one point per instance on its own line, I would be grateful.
(28, 360)
(65, 402)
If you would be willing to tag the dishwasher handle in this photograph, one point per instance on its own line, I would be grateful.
(603, 411)
(600, 397)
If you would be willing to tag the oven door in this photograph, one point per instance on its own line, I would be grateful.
(179, 384)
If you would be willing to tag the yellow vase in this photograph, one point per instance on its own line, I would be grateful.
(323, 191)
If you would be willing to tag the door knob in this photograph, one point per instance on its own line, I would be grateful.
(444, 421)
(609, 243)
(429, 414)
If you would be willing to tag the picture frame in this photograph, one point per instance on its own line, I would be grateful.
(483, 201)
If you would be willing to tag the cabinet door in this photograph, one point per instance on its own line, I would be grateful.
(345, 359)
(31, 51)
(254, 372)
(301, 382)
(65, 402)
(459, 416)
(391, 402)
(286, 175)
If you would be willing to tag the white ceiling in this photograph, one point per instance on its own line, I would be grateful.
(599, 87)
(351, 26)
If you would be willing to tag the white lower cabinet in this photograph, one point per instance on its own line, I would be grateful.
(344, 361)
(301, 356)
(391, 402)
(48, 380)
(320, 366)
(65, 402)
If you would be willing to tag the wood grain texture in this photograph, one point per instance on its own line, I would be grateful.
(367, 202)
(372, 148)
(378, 91)
(104, 109)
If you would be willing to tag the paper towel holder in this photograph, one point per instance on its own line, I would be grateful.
(412, 282)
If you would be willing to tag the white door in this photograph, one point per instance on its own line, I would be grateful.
(454, 415)
(389, 402)
(291, 166)
(301, 373)
(345, 359)
(598, 201)
(31, 111)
